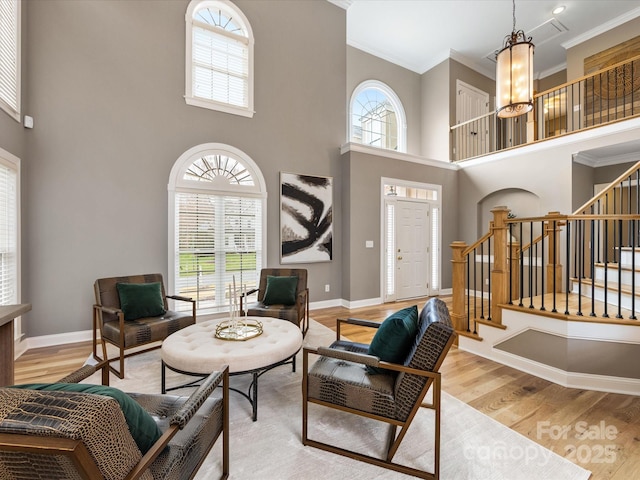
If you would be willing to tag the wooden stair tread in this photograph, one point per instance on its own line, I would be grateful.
(612, 286)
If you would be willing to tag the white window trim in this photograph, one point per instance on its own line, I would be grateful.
(13, 163)
(177, 184)
(397, 105)
(15, 112)
(189, 98)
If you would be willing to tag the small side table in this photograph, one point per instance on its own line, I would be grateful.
(7, 351)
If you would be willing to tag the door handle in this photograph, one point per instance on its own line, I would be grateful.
(399, 258)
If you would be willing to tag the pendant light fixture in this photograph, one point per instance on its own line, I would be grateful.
(514, 74)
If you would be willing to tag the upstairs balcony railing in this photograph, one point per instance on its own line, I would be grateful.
(607, 96)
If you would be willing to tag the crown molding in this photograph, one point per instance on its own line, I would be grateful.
(345, 4)
(594, 161)
(605, 27)
(467, 62)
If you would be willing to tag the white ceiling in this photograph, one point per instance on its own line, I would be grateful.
(419, 34)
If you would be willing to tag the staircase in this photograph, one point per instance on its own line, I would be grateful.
(563, 303)
(615, 284)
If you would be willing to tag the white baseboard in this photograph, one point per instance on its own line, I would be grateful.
(336, 302)
(368, 302)
(52, 340)
(85, 335)
(517, 322)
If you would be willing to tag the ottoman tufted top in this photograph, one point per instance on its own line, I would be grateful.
(195, 349)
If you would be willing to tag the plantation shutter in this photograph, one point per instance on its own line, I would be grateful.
(220, 65)
(391, 250)
(218, 237)
(435, 248)
(10, 57)
(8, 236)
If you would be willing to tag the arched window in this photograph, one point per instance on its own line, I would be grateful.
(377, 117)
(217, 197)
(219, 57)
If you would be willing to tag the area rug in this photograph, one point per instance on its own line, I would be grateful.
(473, 445)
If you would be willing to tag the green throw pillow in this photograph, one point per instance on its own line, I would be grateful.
(143, 428)
(139, 300)
(280, 290)
(394, 338)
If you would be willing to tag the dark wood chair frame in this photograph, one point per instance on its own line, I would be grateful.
(98, 311)
(394, 439)
(302, 301)
(76, 451)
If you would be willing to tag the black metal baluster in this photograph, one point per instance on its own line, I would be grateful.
(468, 292)
(510, 264)
(542, 289)
(489, 274)
(593, 276)
(475, 324)
(555, 264)
(606, 263)
(633, 272)
(521, 269)
(482, 280)
(579, 259)
(568, 275)
(619, 315)
(530, 264)
(615, 212)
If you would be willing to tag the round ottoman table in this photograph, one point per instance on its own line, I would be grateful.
(195, 350)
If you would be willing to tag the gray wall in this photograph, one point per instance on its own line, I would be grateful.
(582, 185)
(435, 113)
(105, 87)
(362, 203)
(362, 66)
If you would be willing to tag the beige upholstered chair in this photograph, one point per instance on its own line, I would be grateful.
(62, 435)
(340, 380)
(110, 317)
(297, 311)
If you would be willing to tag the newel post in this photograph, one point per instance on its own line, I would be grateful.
(458, 314)
(554, 267)
(500, 272)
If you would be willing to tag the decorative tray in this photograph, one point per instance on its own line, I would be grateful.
(239, 330)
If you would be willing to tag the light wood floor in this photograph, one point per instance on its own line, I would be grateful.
(548, 414)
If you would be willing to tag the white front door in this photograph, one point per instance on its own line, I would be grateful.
(412, 249)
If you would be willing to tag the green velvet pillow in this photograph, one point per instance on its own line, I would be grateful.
(394, 338)
(142, 426)
(280, 290)
(139, 300)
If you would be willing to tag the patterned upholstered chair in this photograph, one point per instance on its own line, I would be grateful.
(63, 435)
(110, 318)
(339, 379)
(296, 312)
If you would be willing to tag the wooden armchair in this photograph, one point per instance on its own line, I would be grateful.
(295, 309)
(145, 326)
(339, 379)
(62, 435)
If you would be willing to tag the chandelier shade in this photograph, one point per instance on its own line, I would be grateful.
(514, 74)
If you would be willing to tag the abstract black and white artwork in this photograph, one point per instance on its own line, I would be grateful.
(306, 218)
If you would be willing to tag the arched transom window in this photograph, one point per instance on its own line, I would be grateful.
(377, 117)
(216, 225)
(219, 57)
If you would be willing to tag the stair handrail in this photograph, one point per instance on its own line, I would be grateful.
(634, 169)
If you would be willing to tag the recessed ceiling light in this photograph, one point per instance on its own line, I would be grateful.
(558, 9)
